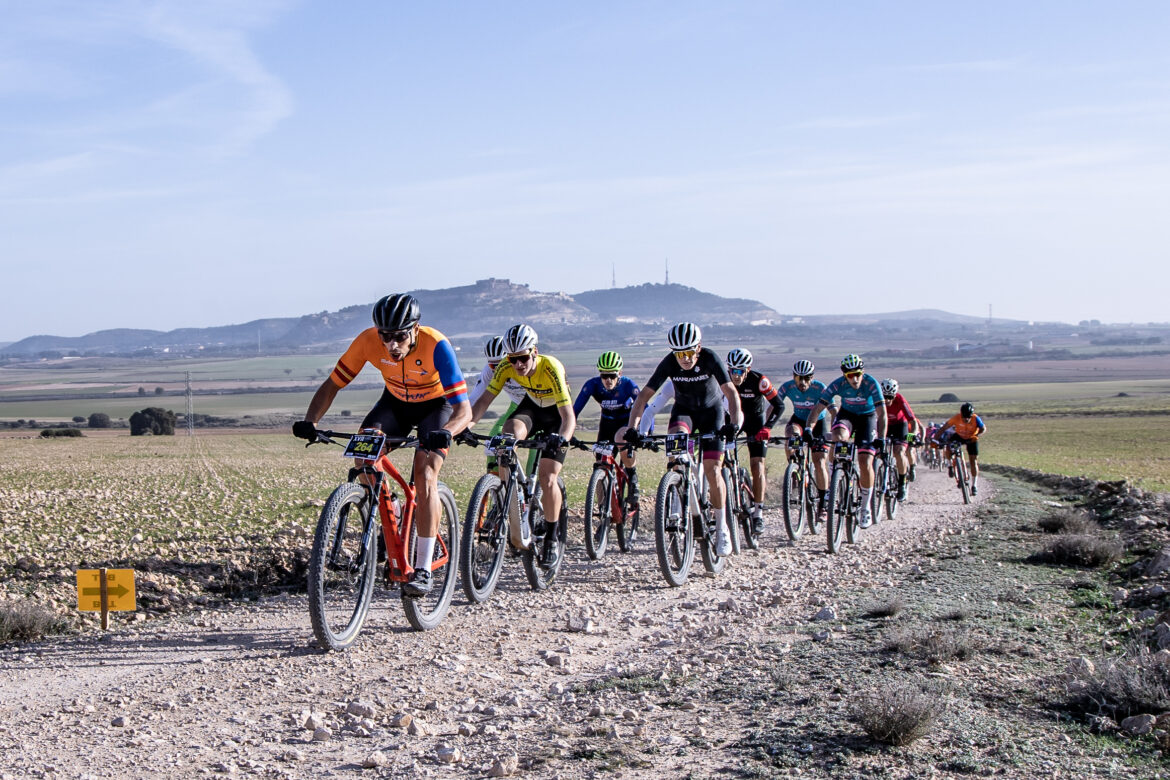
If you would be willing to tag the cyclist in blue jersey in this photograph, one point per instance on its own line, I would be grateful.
(862, 415)
(804, 392)
(615, 394)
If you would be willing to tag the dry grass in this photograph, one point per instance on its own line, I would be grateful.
(889, 608)
(23, 621)
(1069, 521)
(1136, 682)
(898, 713)
(1081, 550)
(933, 645)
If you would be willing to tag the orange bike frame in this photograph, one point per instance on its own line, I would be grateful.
(397, 535)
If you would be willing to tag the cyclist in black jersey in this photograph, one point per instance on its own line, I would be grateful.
(701, 383)
(762, 407)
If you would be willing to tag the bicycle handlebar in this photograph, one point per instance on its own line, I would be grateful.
(327, 437)
(537, 442)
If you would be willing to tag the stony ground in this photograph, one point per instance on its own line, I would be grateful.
(611, 674)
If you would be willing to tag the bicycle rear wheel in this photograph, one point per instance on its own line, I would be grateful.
(674, 539)
(540, 578)
(342, 567)
(838, 506)
(598, 510)
(853, 514)
(627, 529)
(712, 561)
(793, 499)
(425, 612)
(485, 539)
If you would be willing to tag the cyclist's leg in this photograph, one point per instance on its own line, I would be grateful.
(973, 459)
(495, 431)
(795, 427)
(387, 416)
(431, 416)
(518, 424)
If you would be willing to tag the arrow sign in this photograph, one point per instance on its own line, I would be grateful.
(120, 596)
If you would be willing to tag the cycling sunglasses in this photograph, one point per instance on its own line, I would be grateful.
(854, 373)
(686, 354)
(608, 375)
(518, 359)
(737, 371)
(806, 377)
(396, 336)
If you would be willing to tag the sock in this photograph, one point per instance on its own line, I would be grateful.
(901, 480)
(423, 552)
(632, 473)
(865, 494)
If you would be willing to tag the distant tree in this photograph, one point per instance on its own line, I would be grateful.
(153, 420)
(158, 391)
(948, 398)
(142, 391)
(49, 433)
(77, 418)
(288, 372)
(346, 412)
(99, 420)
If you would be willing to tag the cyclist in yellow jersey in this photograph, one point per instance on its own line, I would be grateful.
(547, 408)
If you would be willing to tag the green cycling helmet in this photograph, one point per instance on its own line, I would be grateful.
(609, 361)
(852, 363)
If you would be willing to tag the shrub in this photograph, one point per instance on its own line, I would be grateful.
(1134, 683)
(77, 418)
(99, 420)
(51, 433)
(153, 420)
(933, 645)
(899, 713)
(158, 391)
(23, 621)
(948, 398)
(142, 391)
(346, 412)
(890, 608)
(1069, 521)
(1085, 551)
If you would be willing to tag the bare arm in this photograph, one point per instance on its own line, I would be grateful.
(460, 419)
(568, 421)
(882, 421)
(322, 400)
(481, 405)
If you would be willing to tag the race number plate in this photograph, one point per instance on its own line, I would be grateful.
(676, 443)
(499, 444)
(603, 449)
(367, 446)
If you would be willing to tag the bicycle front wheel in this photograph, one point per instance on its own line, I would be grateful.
(485, 539)
(793, 499)
(425, 612)
(961, 476)
(342, 567)
(539, 577)
(674, 539)
(744, 509)
(598, 509)
(838, 505)
(712, 561)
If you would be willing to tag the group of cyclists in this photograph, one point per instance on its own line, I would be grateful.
(425, 392)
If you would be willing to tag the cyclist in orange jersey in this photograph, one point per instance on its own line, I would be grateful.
(424, 390)
(967, 427)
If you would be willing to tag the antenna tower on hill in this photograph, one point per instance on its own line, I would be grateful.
(613, 274)
(668, 270)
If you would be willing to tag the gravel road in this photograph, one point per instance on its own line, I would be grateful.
(560, 684)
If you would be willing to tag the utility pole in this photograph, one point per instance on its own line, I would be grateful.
(668, 270)
(190, 408)
(613, 275)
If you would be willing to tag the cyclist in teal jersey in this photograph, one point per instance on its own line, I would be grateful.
(804, 392)
(862, 416)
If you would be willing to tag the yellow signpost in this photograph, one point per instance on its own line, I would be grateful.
(105, 591)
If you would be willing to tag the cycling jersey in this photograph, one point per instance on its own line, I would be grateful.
(864, 400)
(966, 429)
(615, 403)
(546, 387)
(803, 401)
(697, 387)
(428, 371)
(755, 394)
(513, 390)
(899, 410)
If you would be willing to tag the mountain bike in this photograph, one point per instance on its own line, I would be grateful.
(682, 510)
(885, 485)
(739, 498)
(608, 503)
(344, 561)
(844, 501)
(799, 490)
(959, 465)
(503, 515)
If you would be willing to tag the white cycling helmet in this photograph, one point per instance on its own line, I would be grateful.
(803, 368)
(519, 338)
(495, 350)
(739, 358)
(889, 387)
(685, 335)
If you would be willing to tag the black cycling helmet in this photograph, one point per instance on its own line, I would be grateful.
(397, 311)
(966, 410)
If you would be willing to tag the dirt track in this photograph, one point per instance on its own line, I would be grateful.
(229, 691)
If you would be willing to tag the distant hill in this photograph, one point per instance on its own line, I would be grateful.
(618, 315)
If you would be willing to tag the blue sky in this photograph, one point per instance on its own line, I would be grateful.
(176, 164)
